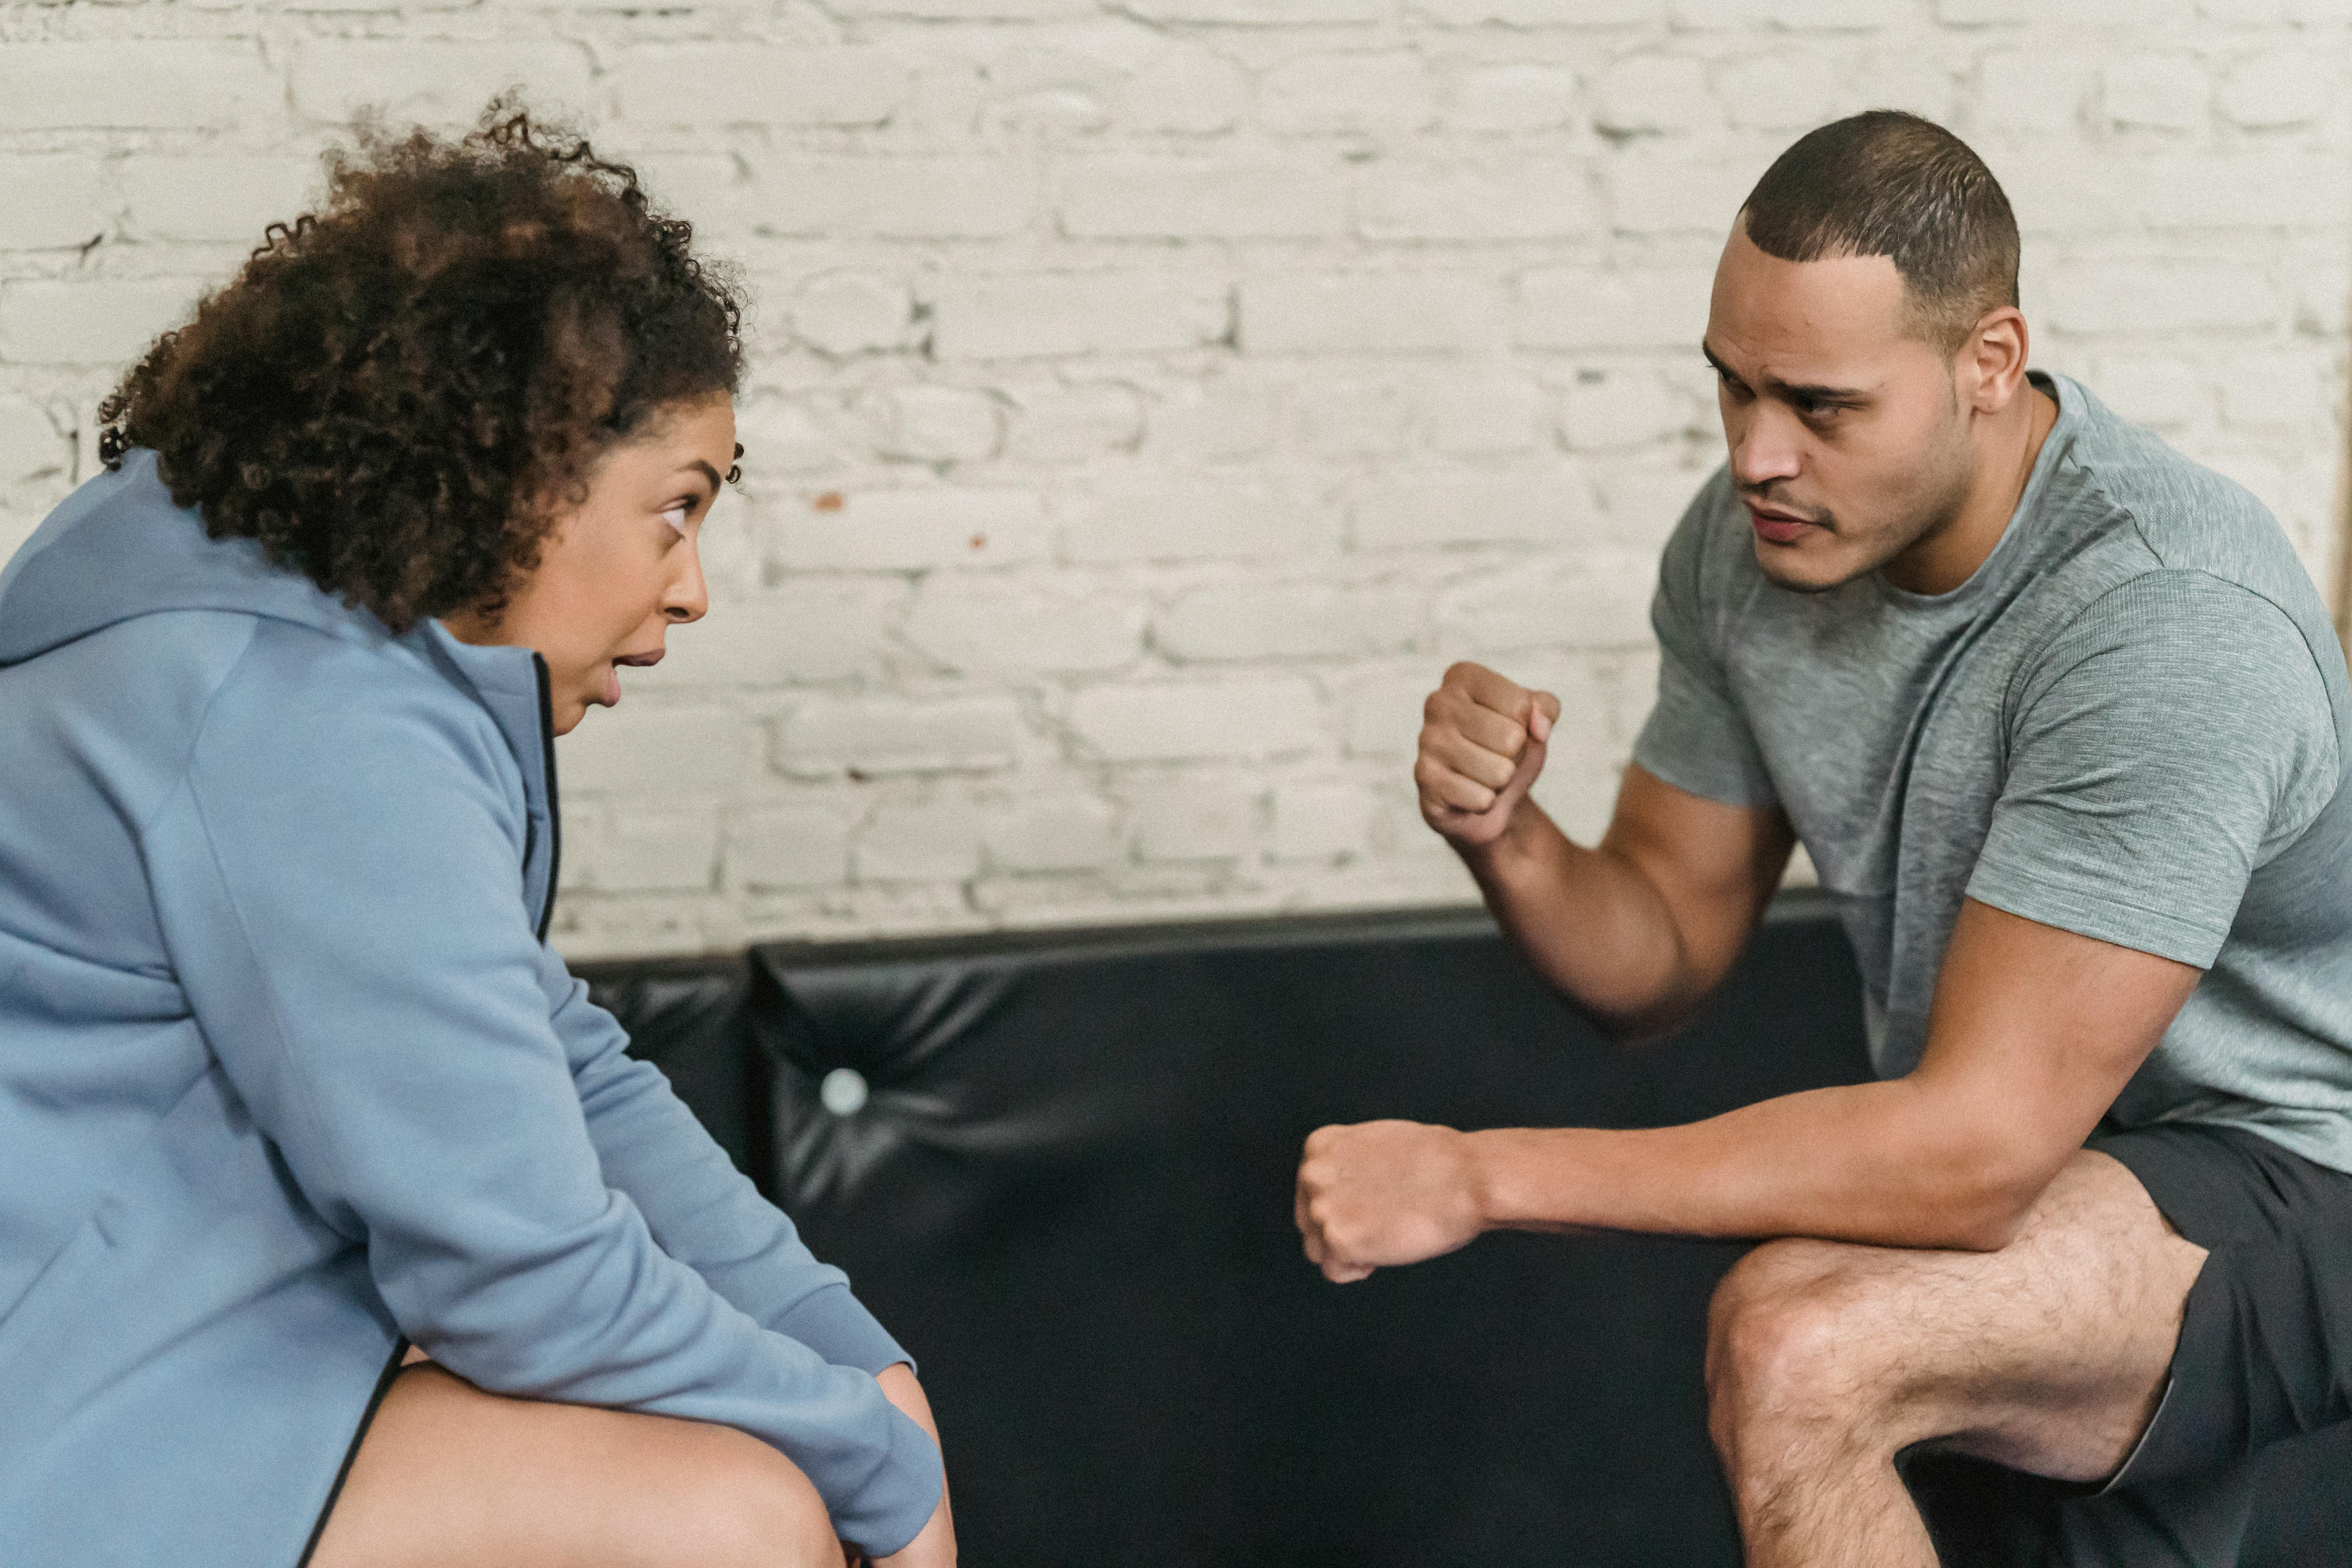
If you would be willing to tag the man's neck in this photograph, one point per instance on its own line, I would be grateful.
(2009, 444)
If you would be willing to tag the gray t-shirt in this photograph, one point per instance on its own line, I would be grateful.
(2131, 723)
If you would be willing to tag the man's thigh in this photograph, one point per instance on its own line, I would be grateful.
(2048, 1356)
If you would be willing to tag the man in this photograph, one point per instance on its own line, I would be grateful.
(2063, 724)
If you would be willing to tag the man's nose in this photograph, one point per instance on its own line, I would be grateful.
(1763, 448)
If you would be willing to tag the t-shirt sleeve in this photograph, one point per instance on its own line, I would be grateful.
(2174, 738)
(1695, 738)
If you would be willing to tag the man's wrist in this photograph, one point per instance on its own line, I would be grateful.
(1489, 1157)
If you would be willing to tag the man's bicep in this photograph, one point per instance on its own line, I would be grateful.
(1713, 867)
(2034, 1031)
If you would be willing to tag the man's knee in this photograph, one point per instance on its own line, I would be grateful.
(728, 1500)
(1794, 1341)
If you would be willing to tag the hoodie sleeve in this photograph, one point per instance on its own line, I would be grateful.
(702, 1211)
(338, 878)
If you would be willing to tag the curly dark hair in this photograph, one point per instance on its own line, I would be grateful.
(401, 391)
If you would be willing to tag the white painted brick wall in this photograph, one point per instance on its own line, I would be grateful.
(1149, 399)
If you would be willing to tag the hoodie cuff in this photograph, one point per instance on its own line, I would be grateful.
(835, 1325)
(900, 1496)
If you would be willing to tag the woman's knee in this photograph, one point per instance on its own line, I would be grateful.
(722, 1499)
(450, 1474)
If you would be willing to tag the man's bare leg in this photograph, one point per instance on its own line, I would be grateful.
(1826, 1360)
(450, 1477)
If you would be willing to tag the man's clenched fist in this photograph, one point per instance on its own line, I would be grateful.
(1382, 1194)
(1482, 745)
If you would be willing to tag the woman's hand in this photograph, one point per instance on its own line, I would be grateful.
(934, 1547)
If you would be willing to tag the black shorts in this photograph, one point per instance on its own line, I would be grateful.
(2265, 1354)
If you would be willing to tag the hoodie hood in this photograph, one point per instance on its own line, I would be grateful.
(119, 547)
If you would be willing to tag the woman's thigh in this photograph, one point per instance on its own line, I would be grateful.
(450, 1477)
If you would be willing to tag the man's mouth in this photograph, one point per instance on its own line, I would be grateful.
(1778, 527)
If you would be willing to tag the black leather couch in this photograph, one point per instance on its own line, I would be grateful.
(1067, 1191)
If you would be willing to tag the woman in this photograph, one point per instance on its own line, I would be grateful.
(289, 1082)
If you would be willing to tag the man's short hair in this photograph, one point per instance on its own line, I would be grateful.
(1884, 182)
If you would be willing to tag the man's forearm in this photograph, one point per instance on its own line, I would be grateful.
(1590, 922)
(1885, 1163)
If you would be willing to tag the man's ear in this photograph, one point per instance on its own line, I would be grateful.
(1992, 362)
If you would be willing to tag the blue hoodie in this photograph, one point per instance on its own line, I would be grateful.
(289, 1077)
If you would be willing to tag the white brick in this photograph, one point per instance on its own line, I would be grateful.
(1372, 312)
(826, 737)
(1197, 819)
(438, 81)
(2024, 90)
(2262, 190)
(1493, 414)
(1641, 501)
(784, 437)
(1924, 84)
(933, 424)
(895, 198)
(1141, 197)
(634, 850)
(907, 530)
(794, 636)
(1514, 98)
(965, 10)
(1600, 598)
(1653, 94)
(215, 199)
(2152, 297)
(1173, 721)
(754, 84)
(1072, 423)
(655, 752)
(1322, 821)
(1369, 92)
(1053, 833)
(1574, 309)
(1148, 518)
(1790, 16)
(1187, 90)
(787, 848)
(1050, 314)
(33, 450)
(2167, 91)
(851, 312)
(1485, 200)
(55, 202)
(1258, 13)
(1380, 715)
(138, 84)
(706, 189)
(2290, 394)
(1785, 93)
(1286, 620)
(2285, 87)
(1342, 418)
(1678, 195)
(1422, 509)
(976, 629)
(101, 322)
(1216, 419)
(1536, 13)
(1629, 406)
(907, 841)
(2169, 393)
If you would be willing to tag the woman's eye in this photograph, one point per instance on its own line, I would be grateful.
(675, 514)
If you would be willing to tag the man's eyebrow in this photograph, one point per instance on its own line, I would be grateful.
(1812, 392)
